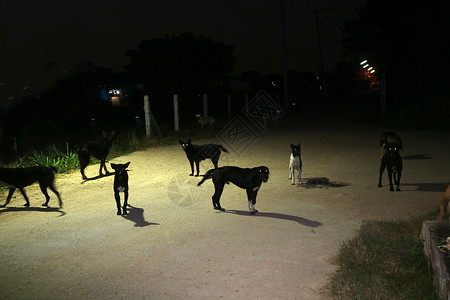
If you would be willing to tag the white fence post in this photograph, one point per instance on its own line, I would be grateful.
(148, 131)
(205, 105)
(175, 107)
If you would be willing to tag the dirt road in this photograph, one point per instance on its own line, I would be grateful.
(173, 245)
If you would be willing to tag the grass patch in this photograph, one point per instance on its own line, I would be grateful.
(62, 161)
(384, 261)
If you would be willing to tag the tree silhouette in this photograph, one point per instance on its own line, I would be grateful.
(179, 64)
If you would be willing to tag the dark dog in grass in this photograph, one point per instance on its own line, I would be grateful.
(389, 137)
(248, 179)
(197, 153)
(19, 178)
(97, 149)
(393, 162)
(121, 185)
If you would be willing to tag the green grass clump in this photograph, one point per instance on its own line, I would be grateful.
(62, 161)
(384, 261)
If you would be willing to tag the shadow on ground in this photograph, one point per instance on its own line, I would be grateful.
(321, 182)
(136, 215)
(38, 209)
(427, 187)
(299, 220)
(98, 177)
(418, 156)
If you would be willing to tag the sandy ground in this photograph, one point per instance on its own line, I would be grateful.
(173, 245)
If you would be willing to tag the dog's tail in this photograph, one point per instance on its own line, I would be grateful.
(222, 148)
(208, 175)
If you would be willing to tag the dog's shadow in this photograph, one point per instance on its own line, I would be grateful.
(320, 182)
(427, 187)
(418, 156)
(299, 220)
(98, 177)
(136, 215)
(38, 209)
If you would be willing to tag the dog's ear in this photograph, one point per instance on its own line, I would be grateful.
(114, 166)
(188, 141)
(126, 165)
(292, 145)
(181, 142)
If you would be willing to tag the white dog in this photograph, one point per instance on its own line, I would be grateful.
(295, 163)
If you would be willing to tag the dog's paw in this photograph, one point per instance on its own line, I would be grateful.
(191, 174)
(4, 205)
(26, 204)
(379, 185)
(44, 204)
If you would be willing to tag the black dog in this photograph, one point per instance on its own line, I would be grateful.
(196, 153)
(19, 178)
(248, 179)
(121, 185)
(97, 149)
(393, 162)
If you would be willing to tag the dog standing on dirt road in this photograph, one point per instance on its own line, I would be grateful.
(197, 153)
(443, 206)
(97, 149)
(393, 162)
(248, 179)
(19, 178)
(121, 185)
(295, 163)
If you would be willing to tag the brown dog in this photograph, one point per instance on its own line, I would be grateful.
(443, 206)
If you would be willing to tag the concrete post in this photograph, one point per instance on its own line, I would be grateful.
(175, 111)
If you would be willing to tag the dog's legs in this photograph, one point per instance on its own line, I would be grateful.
(299, 176)
(218, 186)
(197, 163)
(251, 196)
(381, 173)
(397, 180)
(290, 172)
(83, 157)
(390, 180)
(117, 196)
(192, 168)
(44, 191)
(25, 196)
(11, 192)
(104, 166)
(52, 188)
(125, 203)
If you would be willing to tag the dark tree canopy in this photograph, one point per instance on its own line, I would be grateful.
(407, 40)
(179, 64)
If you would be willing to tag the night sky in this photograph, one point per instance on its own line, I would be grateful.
(42, 38)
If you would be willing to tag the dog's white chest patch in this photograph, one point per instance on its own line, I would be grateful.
(121, 189)
(295, 162)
